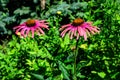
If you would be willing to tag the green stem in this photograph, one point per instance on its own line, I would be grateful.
(75, 58)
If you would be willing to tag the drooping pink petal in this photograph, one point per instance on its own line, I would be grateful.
(64, 26)
(75, 31)
(90, 29)
(23, 24)
(84, 35)
(43, 21)
(18, 27)
(87, 32)
(80, 31)
(38, 32)
(95, 29)
(32, 29)
(46, 23)
(23, 32)
(64, 32)
(69, 33)
(27, 31)
(72, 32)
(44, 26)
(18, 30)
(41, 31)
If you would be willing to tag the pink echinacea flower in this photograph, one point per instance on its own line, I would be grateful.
(79, 28)
(32, 26)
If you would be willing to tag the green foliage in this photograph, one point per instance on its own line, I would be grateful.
(50, 57)
(5, 19)
(63, 70)
(40, 77)
(67, 9)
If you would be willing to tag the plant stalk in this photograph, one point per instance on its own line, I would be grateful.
(75, 59)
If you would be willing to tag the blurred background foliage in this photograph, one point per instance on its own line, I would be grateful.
(50, 57)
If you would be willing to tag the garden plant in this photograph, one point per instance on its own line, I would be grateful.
(59, 40)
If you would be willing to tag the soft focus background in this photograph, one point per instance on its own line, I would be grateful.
(50, 57)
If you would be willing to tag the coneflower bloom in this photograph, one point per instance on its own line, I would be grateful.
(32, 26)
(79, 28)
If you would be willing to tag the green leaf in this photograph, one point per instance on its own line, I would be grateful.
(97, 22)
(106, 63)
(93, 72)
(22, 11)
(64, 71)
(40, 77)
(90, 63)
(89, 57)
(101, 74)
(2, 27)
(66, 40)
(119, 22)
(80, 75)
(47, 54)
(114, 75)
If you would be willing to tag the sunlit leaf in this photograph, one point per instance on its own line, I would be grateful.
(102, 74)
(90, 63)
(93, 72)
(37, 76)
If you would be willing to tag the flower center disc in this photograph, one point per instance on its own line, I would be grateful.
(77, 22)
(30, 22)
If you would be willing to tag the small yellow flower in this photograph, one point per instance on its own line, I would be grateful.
(59, 12)
(83, 46)
(18, 33)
